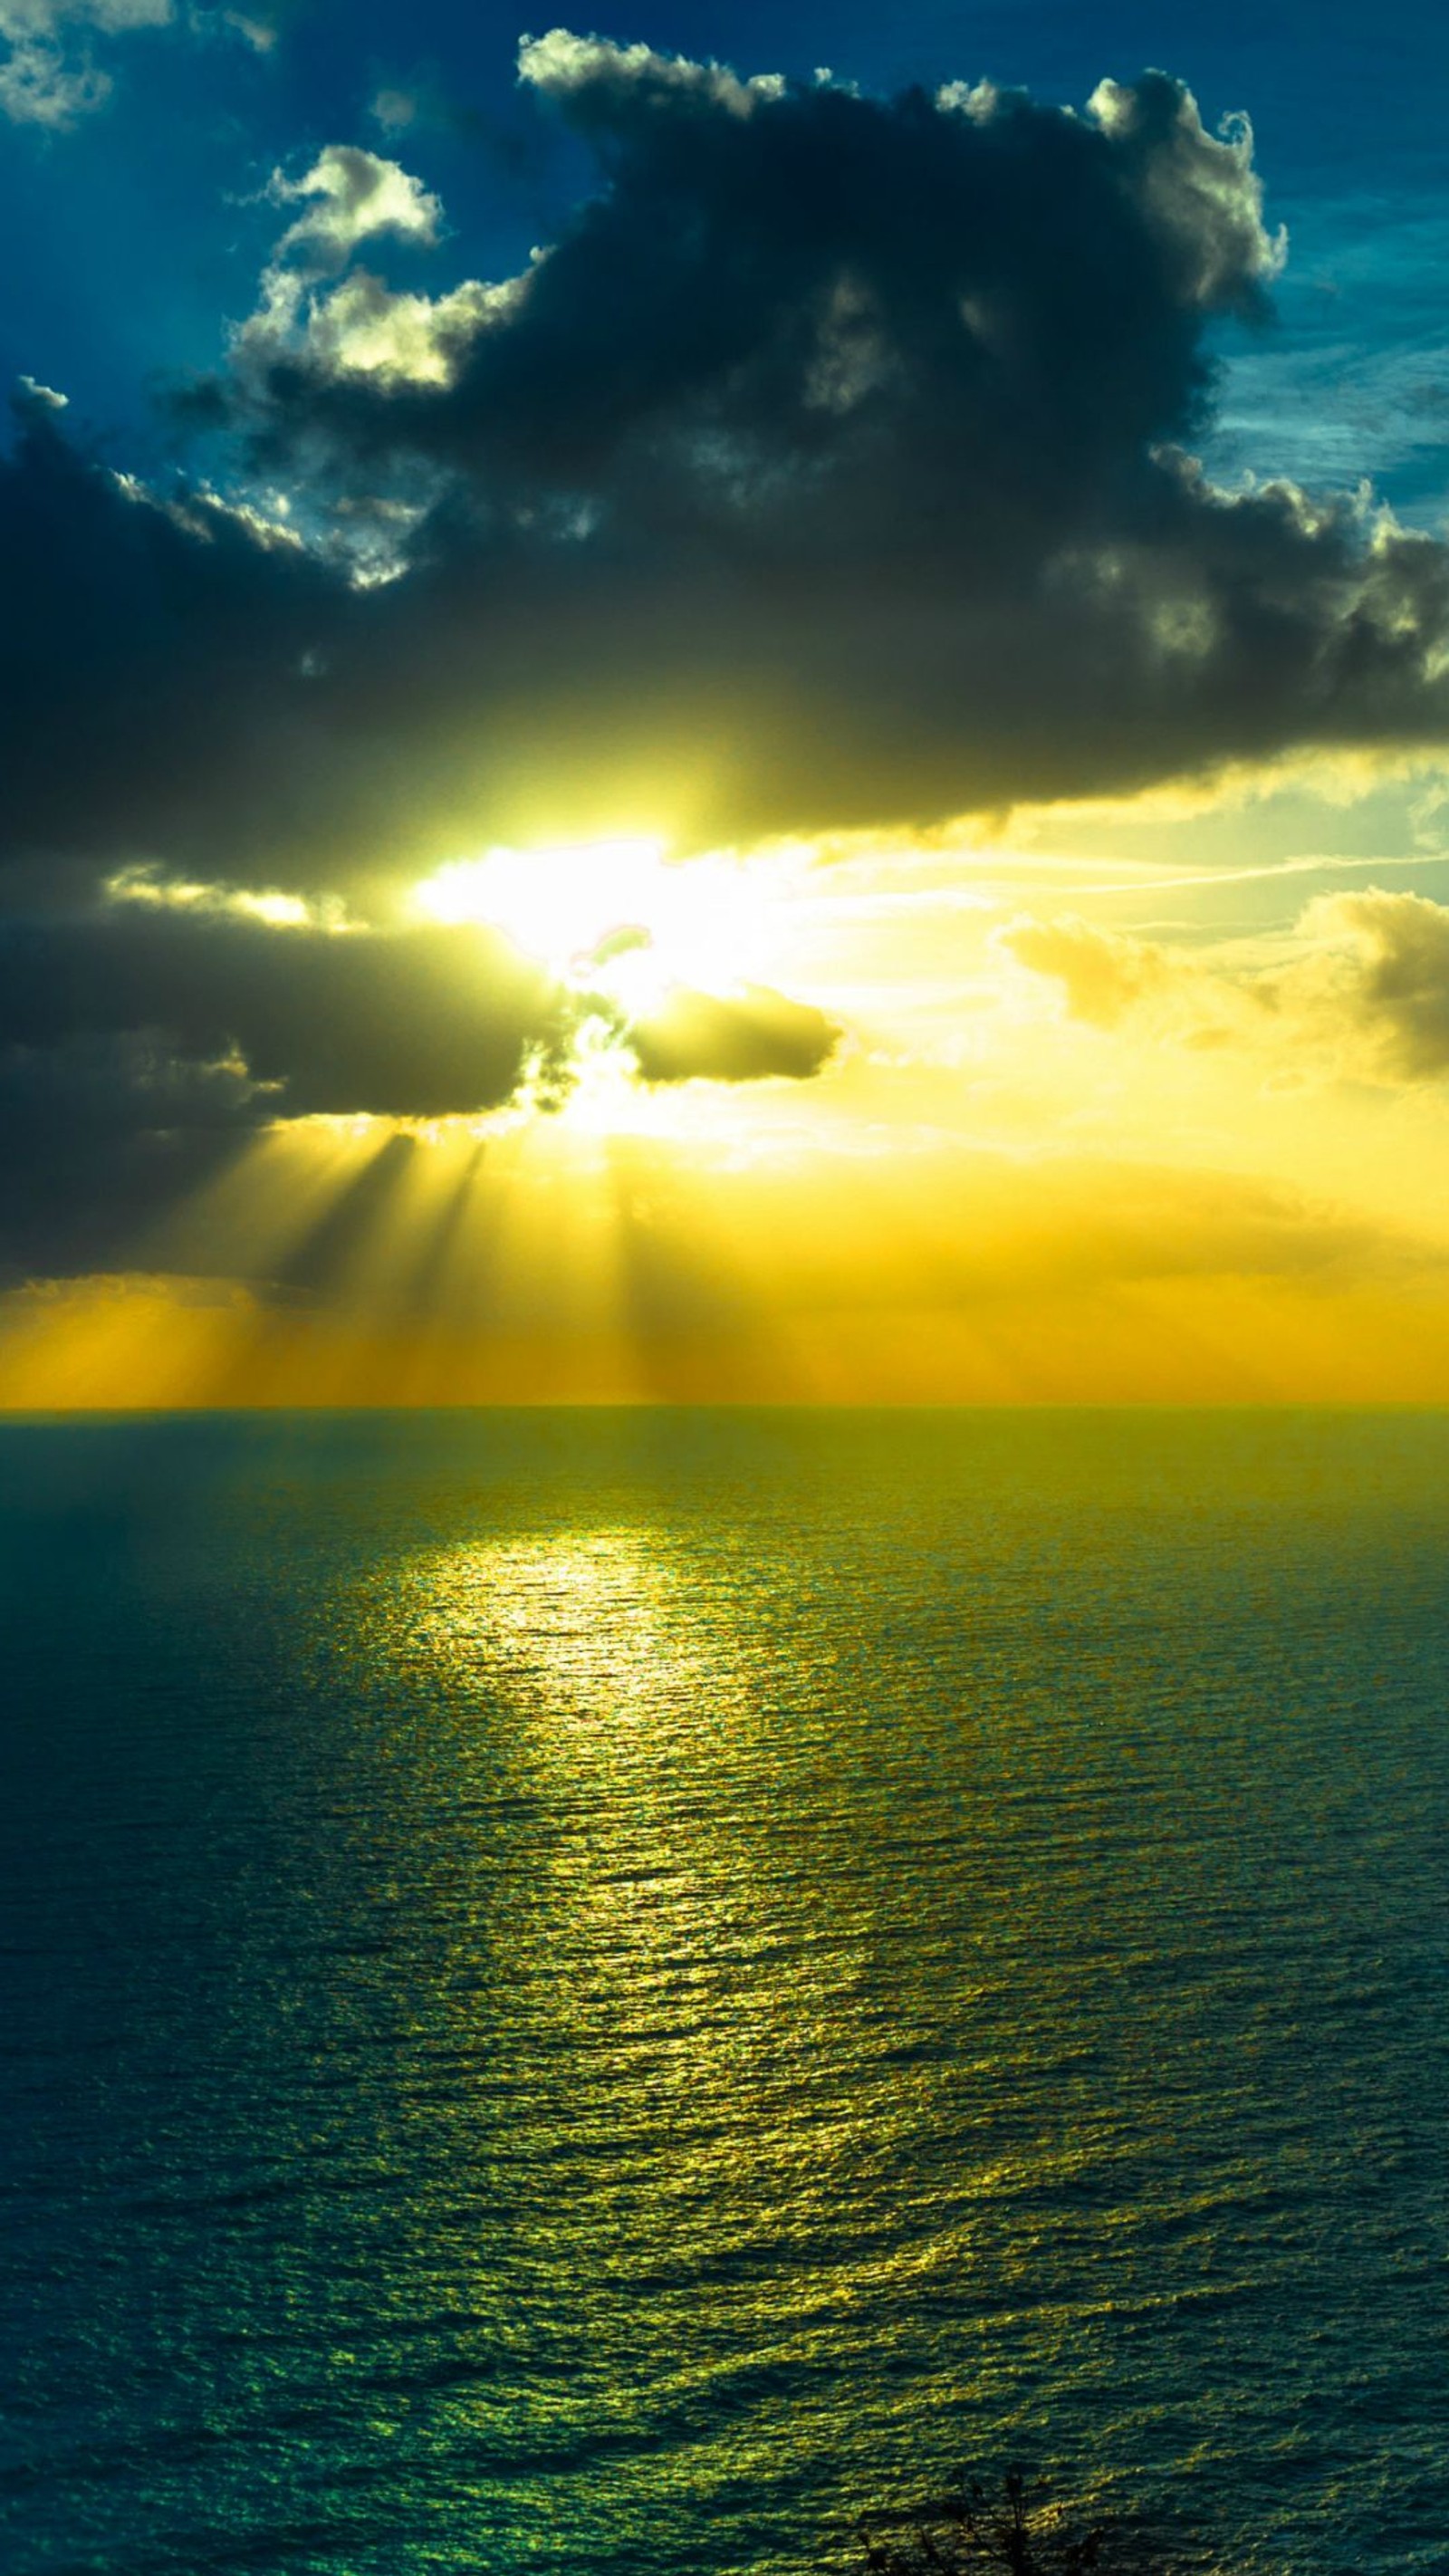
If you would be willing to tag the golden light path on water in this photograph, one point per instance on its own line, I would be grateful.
(864, 1987)
(732, 1962)
(635, 1679)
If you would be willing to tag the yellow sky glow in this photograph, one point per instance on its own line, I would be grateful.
(1121, 1113)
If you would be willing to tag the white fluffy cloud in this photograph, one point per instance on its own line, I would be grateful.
(362, 328)
(315, 304)
(1363, 993)
(47, 73)
(1103, 973)
(350, 196)
(1199, 190)
(577, 68)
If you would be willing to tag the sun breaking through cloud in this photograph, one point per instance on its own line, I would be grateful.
(764, 676)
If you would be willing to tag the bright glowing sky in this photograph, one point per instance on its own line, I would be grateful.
(673, 739)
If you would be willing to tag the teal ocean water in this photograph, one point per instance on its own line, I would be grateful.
(596, 1992)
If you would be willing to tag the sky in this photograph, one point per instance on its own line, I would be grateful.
(723, 704)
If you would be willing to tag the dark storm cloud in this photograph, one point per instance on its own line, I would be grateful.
(143, 1046)
(825, 471)
(153, 664)
(98, 1138)
(415, 1023)
(210, 1014)
(745, 1037)
(841, 440)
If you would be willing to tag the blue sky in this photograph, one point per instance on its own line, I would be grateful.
(141, 235)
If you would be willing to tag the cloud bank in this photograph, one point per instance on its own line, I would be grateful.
(1364, 997)
(831, 467)
(828, 469)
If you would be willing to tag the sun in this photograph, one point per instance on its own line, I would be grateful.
(617, 912)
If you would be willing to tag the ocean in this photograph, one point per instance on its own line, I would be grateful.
(595, 1992)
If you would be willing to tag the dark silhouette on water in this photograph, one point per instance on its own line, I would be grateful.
(971, 2527)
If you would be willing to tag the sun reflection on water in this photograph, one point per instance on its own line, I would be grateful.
(678, 1927)
(727, 1962)
(590, 1626)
